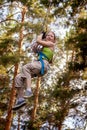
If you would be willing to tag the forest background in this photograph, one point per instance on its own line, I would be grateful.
(60, 97)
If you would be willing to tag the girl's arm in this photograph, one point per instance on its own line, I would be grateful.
(43, 42)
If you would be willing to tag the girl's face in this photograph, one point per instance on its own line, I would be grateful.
(50, 37)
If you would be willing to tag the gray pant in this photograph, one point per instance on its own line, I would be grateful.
(28, 71)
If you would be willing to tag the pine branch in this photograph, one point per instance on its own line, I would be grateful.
(13, 14)
(8, 20)
(28, 34)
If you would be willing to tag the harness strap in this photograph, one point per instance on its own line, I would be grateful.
(41, 57)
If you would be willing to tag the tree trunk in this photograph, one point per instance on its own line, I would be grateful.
(36, 99)
(13, 91)
(12, 100)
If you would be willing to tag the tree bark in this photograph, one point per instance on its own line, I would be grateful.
(12, 100)
(13, 91)
(36, 99)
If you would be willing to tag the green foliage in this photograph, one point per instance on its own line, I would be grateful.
(63, 93)
(75, 3)
(10, 0)
(24, 1)
(3, 106)
(44, 2)
(51, 2)
(82, 23)
(73, 105)
(55, 99)
(32, 125)
(2, 123)
(82, 40)
(9, 59)
(76, 66)
(78, 42)
(2, 1)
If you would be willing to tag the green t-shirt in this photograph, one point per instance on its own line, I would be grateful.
(48, 52)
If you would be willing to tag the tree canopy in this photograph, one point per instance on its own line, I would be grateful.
(64, 86)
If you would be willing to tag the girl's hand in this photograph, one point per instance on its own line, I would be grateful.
(39, 37)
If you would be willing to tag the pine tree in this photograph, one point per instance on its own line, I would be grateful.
(18, 25)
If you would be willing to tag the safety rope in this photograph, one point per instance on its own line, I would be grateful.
(45, 27)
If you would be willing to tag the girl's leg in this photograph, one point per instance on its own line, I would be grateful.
(20, 93)
(29, 70)
(33, 69)
(19, 84)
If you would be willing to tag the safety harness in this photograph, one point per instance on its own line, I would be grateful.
(41, 57)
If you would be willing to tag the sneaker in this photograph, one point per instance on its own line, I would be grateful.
(19, 104)
(28, 94)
